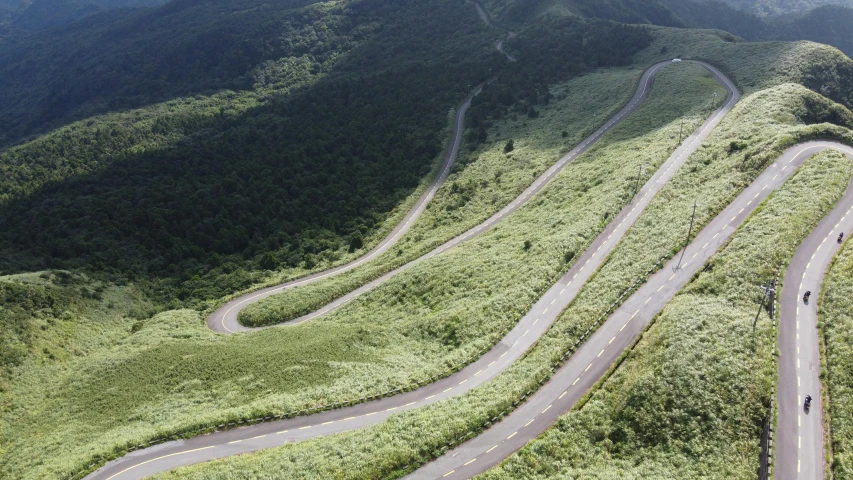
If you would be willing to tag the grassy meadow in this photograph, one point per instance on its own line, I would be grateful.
(768, 122)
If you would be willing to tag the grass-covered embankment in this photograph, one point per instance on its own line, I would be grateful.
(440, 313)
(713, 176)
(836, 326)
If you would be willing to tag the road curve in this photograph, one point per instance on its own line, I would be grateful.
(799, 434)
(535, 323)
(224, 320)
(621, 329)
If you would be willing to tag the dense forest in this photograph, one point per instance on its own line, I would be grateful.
(310, 160)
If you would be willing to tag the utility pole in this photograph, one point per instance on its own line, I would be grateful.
(769, 290)
(687, 240)
(637, 186)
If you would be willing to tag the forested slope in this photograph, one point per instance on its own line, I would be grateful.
(827, 24)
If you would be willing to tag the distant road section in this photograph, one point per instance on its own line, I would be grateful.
(529, 329)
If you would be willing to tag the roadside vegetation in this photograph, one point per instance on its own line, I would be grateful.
(836, 327)
(437, 314)
(768, 123)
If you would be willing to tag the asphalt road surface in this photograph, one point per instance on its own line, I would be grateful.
(799, 433)
(622, 328)
(169, 455)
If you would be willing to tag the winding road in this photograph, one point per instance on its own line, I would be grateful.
(169, 455)
(224, 319)
(799, 449)
(603, 348)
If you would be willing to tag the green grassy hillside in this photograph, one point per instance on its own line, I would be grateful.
(754, 66)
(714, 176)
(383, 339)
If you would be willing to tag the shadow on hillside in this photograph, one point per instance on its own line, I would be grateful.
(119, 60)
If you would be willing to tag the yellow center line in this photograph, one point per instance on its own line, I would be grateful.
(158, 458)
(469, 462)
(448, 473)
(647, 300)
(478, 372)
(374, 413)
(352, 418)
(305, 428)
(463, 381)
(599, 353)
(513, 434)
(562, 395)
(546, 408)
(660, 288)
(285, 431)
(408, 404)
(489, 450)
(576, 380)
(427, 398)
(588, 366)
(235, 441)
(489, 365)
(528, 423)
(327, 423)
